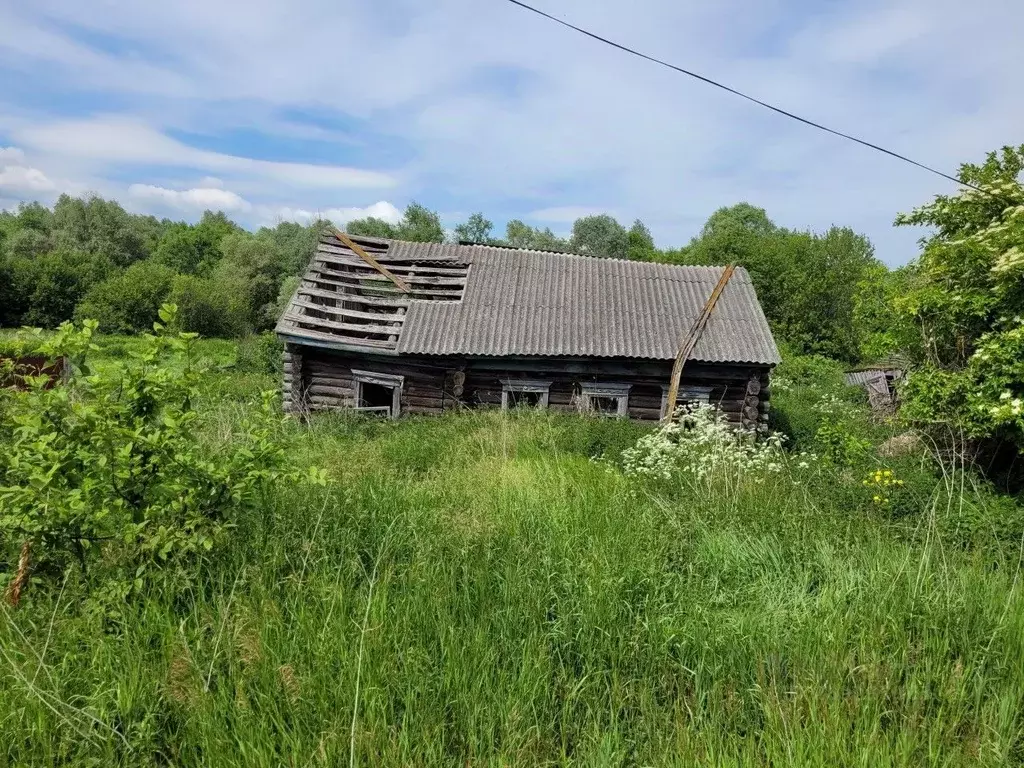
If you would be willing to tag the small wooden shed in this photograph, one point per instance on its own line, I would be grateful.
(394, 327)
(879, 381)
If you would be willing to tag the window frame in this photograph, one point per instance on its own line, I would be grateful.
(613, 390)
(388, 380)
(534, 386)
(688, 393)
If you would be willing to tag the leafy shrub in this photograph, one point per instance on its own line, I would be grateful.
(260, 353)
(208, 306)
(108, 473)
(811, 402)
(129, 302)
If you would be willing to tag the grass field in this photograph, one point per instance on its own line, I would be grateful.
(479, 590)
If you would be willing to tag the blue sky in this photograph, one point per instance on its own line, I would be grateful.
(273, 111)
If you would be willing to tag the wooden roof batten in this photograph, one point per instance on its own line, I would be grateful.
(358, 251)
(691, 339)
(349, 297)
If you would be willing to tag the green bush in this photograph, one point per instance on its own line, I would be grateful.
(808, 391)
(108, 473)
(209, 306)
(260, 353)
(128, 302)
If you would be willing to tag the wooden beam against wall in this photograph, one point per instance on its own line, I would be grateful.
(358, 251)
(691, 339)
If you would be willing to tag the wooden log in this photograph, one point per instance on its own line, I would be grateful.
(330, 381)
(322, 389)
(750, 412)
(752, 401)
(753, 386)
(426, 402)
(764, 406)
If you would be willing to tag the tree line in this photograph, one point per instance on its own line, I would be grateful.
(88, 257)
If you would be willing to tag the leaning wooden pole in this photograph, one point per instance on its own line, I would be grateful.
(691, 339)
(362, 254)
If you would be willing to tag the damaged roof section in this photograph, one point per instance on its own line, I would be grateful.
(359, 296)
(474, 300)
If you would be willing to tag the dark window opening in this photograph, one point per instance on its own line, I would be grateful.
(376, 396)
(608, 406)
(523, 399)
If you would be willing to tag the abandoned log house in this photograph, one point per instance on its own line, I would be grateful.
(392, 328)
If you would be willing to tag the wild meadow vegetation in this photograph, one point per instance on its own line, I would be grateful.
(232, 588)
(193, 579)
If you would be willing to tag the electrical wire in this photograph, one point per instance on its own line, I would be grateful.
(735, 92)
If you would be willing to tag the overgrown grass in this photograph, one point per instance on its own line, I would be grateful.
(479, 590)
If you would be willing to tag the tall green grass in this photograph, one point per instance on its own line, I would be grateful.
(479, 590)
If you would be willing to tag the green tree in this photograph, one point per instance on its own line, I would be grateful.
(641, 243)
(128, 302)
(209, 306)
(520, 235)
(18, 277)
(60, 281)
(967, 300)
(252, 270)
(601, 236)
(97, 226)
(806, 283)
(195, 249)
(421, 225)
(371, 226)
(476, 230)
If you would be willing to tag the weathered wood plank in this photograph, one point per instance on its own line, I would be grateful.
(356, 298)
(426, 402)
(350, 299)
(380, 330)
(338, 312)
(315, 334)
(402, 267)
(411, 275)
(328, 391)
(374, 282)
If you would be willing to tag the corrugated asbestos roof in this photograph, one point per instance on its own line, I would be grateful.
(532, 303)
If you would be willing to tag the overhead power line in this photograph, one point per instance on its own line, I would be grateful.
(748, 97)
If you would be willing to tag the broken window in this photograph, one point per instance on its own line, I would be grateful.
(378, 393)
(524, 393)
(687, 394)
(605, 399)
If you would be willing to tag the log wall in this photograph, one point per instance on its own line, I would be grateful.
(318, 379)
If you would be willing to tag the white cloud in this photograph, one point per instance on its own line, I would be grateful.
(125, 140)
(17, 176)
(340, 216)
(561, 125)
(23, 179)
(199, 198)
